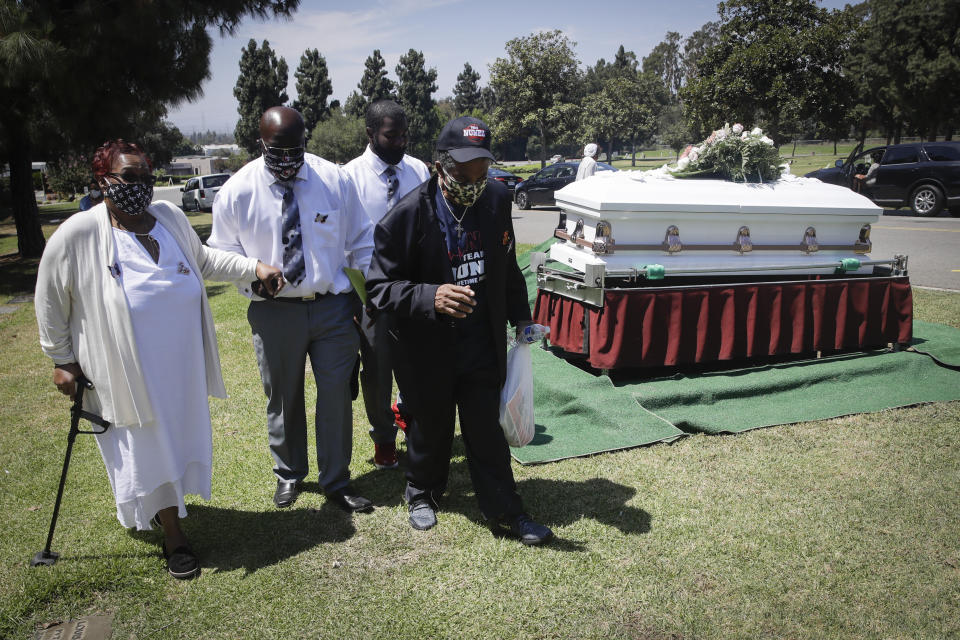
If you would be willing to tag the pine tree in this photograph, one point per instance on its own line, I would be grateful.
(374, 84)
(415, 88)
(313, 89)
(488, 99)
(466, 93)
(262, 84)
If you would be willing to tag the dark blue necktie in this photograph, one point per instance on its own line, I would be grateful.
(293, 270)
(393, 183)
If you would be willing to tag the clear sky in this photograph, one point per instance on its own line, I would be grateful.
(448, 32)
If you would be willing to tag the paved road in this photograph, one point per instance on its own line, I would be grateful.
(932, 244)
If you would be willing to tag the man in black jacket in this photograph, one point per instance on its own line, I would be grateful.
(445, 266)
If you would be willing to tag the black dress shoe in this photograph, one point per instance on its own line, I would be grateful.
(286, 493)
(348, 500)
(523, 528)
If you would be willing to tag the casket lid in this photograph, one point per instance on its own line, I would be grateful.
(658, 191)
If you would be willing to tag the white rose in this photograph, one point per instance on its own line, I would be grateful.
(744, 135)
(738, 128)
(721, 134)
(766, 140)
(683, 162)
(693, 156)
(757, 132)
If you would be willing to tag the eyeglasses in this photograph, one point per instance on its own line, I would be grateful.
(128, 177)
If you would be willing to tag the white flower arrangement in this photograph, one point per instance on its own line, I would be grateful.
(732, 153)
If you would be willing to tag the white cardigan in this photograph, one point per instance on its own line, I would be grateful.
(83, 316)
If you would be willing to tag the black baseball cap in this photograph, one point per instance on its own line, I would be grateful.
(465, 139)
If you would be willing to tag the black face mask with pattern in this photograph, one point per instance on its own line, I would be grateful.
(283, 163)
(132, 199)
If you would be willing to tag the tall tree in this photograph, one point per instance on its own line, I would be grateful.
(672, 130)
(912, 51)
(466, 93)
(536, 83)
(47, 45)
(313, 88)
(772, 59)
(695, 46)
(262, 84)
(488, 99)
(374, 84)
(415, 87)
(625, 108)
(340, 138)
(665, 62)
(624, 65)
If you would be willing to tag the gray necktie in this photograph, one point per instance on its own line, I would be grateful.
(292, 239)
(393, 183)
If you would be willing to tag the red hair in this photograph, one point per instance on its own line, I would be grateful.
(104, 156)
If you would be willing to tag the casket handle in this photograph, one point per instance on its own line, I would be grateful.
(863, 245)
(671, 240)
(743, 243)
(603, 242)
(577, 230)
(809, 243)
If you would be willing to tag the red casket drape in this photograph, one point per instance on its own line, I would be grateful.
(650, 327)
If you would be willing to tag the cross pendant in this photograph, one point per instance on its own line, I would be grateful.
(459, 229)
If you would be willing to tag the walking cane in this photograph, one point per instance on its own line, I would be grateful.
(47, 557)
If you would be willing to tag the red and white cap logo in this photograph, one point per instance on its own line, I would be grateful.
(474, 133)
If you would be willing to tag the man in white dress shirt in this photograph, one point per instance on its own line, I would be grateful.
(382, 175)
(588, 166)
(293, 208)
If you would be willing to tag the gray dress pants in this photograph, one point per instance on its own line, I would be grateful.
(284, 334)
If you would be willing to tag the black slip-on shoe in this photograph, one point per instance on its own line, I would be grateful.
(523, 528)
(348, 500)
(286, 493)
(182, 562)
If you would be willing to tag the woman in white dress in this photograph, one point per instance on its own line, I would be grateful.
(120, 300)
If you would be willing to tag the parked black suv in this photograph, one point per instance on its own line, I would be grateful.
(924, 176)
(539, 188)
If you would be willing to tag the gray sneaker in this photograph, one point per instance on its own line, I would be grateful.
(422, 515)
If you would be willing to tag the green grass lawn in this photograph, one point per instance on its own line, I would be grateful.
(844, 528)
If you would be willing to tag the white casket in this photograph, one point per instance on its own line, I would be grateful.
(631, 222)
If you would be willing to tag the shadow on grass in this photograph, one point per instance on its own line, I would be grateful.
(214, 290)
(230, 539)
(555, 503)
(17, 275)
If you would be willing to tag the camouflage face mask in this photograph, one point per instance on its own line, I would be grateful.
(463, 193)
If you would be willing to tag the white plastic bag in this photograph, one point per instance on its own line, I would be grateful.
(516, 397)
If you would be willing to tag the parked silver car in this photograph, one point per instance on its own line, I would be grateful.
(198, 193)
